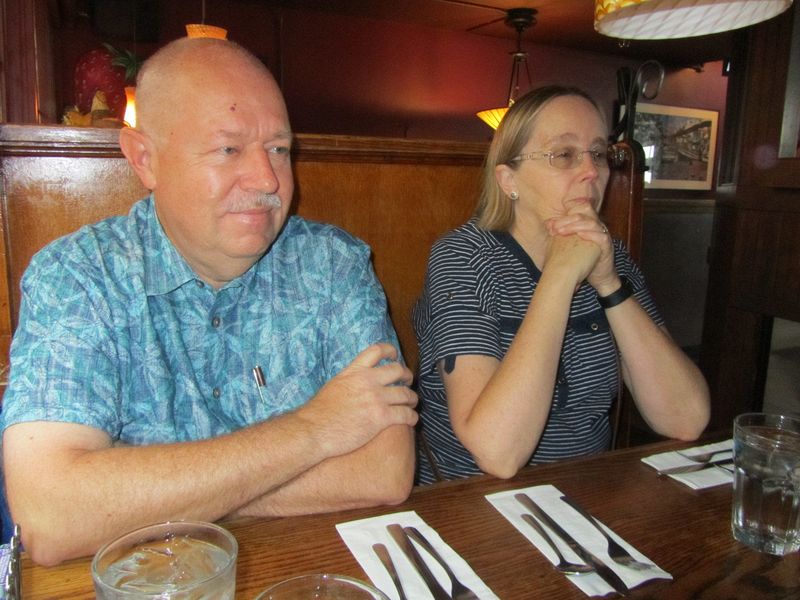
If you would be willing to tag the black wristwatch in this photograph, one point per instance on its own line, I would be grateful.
(623, 293)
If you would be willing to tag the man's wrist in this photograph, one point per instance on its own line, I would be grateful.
(624, 292)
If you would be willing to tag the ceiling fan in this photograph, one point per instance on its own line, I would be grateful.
(517, 18)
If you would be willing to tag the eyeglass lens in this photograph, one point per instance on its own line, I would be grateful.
(568, 158)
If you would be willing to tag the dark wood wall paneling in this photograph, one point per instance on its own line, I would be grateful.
(755, 259)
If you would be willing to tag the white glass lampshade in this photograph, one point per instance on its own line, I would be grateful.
(665, 19)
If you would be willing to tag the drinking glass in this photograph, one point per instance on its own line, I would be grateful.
(181, 560)
(323, 587)
(766, 485)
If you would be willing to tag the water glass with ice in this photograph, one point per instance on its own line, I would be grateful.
(766, 486)
(182, 560)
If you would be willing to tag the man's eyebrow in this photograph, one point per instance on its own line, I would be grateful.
(283, 135)
(227, 134)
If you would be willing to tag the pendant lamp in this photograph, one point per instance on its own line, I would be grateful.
(520, 19)
(197, 30)
(667, 19)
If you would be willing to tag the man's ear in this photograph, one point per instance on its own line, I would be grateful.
(138, 148)
(506, 178)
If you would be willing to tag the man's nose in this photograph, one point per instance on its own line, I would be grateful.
(259, 174)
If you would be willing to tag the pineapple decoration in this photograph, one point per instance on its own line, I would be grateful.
(100, 79)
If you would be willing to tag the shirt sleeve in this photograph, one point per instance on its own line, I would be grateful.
(626, 267)
(453, 316)
(62, 354)
(357, 311)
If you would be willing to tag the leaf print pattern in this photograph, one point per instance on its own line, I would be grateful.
(118, 333)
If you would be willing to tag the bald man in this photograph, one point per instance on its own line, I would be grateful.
(131, 397)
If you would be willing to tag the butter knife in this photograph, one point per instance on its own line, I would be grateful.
(695, 467)
(603, 570)
(386, 560)
(402, 540)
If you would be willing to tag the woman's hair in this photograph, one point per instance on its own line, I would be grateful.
(495, 211)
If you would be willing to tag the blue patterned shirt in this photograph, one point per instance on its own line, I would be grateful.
(117, 332)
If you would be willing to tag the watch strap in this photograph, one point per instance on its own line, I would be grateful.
(624, 292)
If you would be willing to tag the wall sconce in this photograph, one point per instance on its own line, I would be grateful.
(666, 19)
(520, 19)
(198, 30)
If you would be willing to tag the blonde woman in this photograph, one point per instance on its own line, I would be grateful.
(530, 308)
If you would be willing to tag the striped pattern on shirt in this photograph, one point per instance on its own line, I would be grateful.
(477, 290)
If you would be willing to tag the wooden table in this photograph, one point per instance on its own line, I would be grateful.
(686, 532)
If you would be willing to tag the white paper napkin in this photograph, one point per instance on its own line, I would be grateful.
(548, 498)
(361, 535)
(697, 479)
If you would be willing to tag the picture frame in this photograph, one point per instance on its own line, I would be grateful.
(679, 145)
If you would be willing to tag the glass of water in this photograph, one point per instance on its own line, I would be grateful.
(766, 485)
(181, 560)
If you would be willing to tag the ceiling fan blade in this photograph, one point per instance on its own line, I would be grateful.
(486, 24)
(502, 11)
(474, 4)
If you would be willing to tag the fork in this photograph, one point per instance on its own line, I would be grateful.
(563, 565)
(459, 591)
(704, 457)
(615, 551)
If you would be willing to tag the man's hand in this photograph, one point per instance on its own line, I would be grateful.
(361, 401)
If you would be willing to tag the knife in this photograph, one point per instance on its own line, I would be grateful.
(603, 570)
(695, 467)
(402, 540)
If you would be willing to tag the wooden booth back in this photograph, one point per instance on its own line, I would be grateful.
(397, 195)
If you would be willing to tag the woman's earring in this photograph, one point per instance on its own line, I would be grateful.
(514, 195)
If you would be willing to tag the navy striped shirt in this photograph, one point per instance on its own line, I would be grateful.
(477, 290)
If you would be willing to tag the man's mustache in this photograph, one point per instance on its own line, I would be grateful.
(259, 201)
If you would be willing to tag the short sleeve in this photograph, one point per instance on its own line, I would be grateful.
(357, 308)
(627, 268)
(62, 354)
(454, 316)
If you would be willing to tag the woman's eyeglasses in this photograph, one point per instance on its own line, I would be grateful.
(567, 158)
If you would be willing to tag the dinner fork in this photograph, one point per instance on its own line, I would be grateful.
(704, 457)
(615, 551)
(570, 568)
(459, 591)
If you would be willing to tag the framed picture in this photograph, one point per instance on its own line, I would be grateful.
(679, 146)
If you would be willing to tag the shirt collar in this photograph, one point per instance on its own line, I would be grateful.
(165, 269)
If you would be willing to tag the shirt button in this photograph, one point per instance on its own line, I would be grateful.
(216, 393)
(594, 327)
(199, 283)
(215, 322)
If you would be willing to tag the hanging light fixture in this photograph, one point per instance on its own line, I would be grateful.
(197, 30)
(666, 19)
(520, 19)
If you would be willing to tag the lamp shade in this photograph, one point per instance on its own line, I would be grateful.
(492, 116)
(666, 19)
(196, 30)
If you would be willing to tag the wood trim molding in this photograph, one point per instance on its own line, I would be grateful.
(22, 140)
